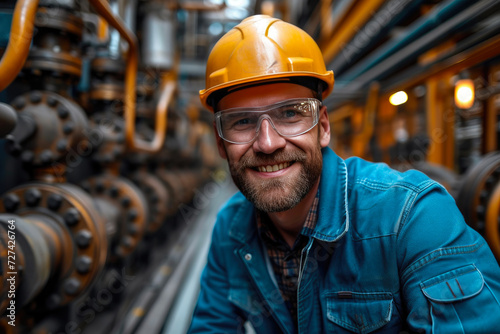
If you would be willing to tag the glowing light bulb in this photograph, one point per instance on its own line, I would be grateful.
(464, 93)
(398, 98)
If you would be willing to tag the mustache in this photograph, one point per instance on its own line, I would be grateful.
(262, 159)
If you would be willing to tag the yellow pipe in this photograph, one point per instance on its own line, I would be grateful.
(350, 22)
(326, 19)
(161, 114)
(137, 144)
(21, 33)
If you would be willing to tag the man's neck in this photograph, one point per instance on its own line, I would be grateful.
(289, 223)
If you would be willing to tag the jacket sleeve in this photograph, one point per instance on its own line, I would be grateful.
(450, 280)
(214, 313)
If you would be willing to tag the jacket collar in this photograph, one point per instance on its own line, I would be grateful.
(333, 214)
(243, 226)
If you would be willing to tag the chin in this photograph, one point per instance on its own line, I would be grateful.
(277, 197)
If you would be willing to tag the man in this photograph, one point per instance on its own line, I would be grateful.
(315, 244)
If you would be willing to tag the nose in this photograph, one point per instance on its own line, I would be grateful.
(268, 140)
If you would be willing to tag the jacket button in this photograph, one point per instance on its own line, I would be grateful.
(248, 256)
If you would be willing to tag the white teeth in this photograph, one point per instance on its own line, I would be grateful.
(273, 168)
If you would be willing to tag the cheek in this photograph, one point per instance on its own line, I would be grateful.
(236, 152)
(308, 142)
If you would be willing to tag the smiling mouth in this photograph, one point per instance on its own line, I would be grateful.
(273, 168)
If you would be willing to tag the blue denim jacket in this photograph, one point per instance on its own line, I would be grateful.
(390, 252)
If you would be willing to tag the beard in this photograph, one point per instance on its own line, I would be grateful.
(281, 193)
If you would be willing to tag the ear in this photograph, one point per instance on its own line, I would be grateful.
(324, 127)
(220, 143)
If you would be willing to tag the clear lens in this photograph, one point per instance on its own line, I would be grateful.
(289, 118)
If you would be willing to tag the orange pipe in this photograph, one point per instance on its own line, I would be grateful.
(166, 96)
(21, 33)
(103, 9)
(355, 16)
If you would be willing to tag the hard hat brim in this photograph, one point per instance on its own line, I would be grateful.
(205, 94)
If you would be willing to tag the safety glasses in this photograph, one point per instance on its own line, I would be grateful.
(288, 118)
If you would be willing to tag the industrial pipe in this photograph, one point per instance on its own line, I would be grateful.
(389, 15)
(137, 144)
(357, 14)
(21, 33)
(412, 50)
(421, 27)
(166, 96)
(464, 55)
(428, 40)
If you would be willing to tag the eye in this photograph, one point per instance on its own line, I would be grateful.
(289, 113)
(242, 121)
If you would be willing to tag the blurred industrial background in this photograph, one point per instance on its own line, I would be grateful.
(109, 175)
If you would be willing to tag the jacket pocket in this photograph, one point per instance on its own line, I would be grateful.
(456, 285)
(359, 312)
(460, 302)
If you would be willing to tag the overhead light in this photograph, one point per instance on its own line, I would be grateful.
(398, 98)
(464, 93)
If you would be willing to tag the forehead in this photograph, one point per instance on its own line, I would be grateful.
(263, 95)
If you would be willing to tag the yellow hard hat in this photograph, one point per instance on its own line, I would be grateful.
(259, 49)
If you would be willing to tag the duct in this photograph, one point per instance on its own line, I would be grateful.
(413, 50)
(374, 30)
(417, 29)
